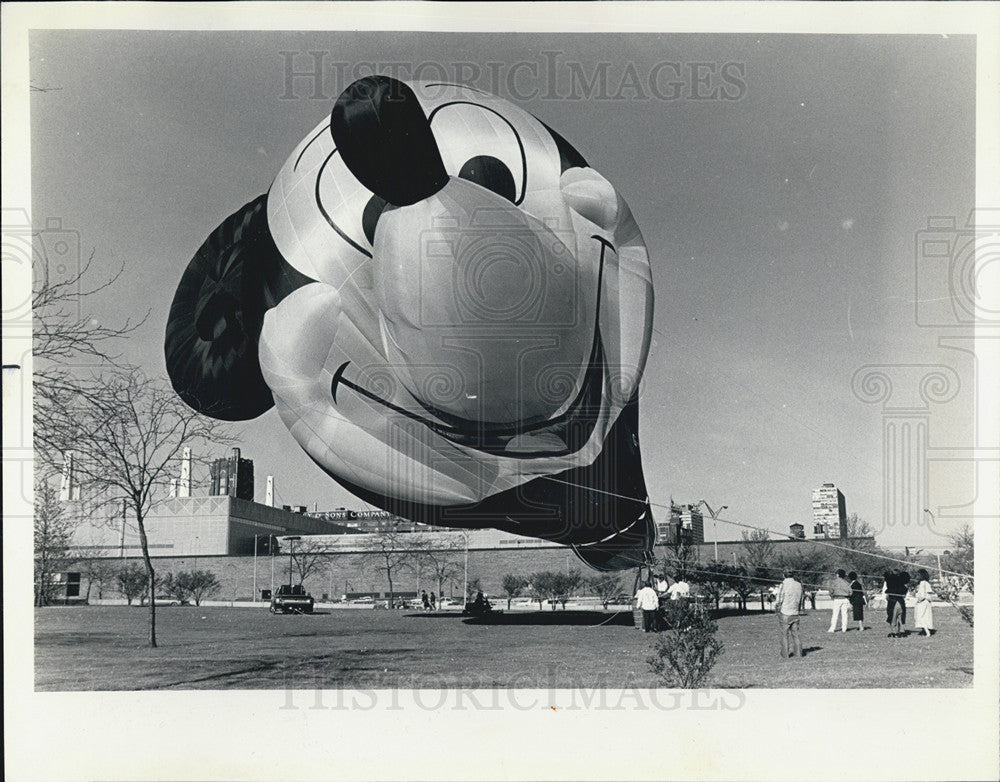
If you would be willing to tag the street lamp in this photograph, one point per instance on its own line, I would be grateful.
(291, 547)
(715, 526)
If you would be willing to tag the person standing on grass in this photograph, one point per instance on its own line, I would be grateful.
(923, 614)
(840, 591)
(647, 599)
(895, 601)
(433, 602)
(788, 607)
(425, 601)
(858, 600)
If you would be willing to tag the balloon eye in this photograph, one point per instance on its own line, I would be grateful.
(491, 173)
(369, 219)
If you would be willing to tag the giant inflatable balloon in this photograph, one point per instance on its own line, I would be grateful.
(451, 312)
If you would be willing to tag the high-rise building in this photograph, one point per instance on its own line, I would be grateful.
(233, 477)
(685, 524)
(829, 512)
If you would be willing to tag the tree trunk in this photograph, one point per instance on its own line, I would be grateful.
(392, 594)
(151, 577)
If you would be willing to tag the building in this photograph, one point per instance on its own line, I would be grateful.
(198, 527)
(829, 512)
(361, 521)
(233, 476)
(797, 531)
(685, 524)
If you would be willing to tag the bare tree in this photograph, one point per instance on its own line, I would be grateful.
(127, 432)
(53, 529)
(308, 557)
(64, 335)
(441, 562)
(388, 552)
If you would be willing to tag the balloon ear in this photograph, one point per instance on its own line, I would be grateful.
(217, 313)
(386, 141)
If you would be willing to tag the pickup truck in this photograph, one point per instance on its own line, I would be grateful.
(292, 599)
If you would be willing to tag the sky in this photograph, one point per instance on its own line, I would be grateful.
(780, 183)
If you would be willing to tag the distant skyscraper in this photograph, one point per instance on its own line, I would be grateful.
(829, 512)
(233, 476)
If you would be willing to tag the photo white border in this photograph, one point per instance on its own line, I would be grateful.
(777, 734)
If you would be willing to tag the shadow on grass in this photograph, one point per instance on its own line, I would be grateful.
(810, 649)
(554, 618)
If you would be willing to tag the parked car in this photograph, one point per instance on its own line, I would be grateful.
(292, 600)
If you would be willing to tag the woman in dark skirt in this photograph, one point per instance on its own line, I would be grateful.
(858, 600)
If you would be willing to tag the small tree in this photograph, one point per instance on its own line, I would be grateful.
(605, 587)
(128, 431)
(742, 583)
(566, 584)
(97, 572)
(53, 530)
(132, 581)
(714, 579)
(176, 587)
(472, 586)
(544, 586)
(686, 651)
(201, 584)
(959, 559)
(513, 586)
(758, 549)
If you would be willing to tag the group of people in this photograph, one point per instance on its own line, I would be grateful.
(429, 602)
(652, 592)
(847, 591)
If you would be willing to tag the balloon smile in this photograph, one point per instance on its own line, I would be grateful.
(561, 435)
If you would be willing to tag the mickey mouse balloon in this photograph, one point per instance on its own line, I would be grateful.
(451, 312)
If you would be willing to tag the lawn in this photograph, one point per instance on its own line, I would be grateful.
(103, 648)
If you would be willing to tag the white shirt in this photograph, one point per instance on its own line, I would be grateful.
(661, 586)
(679, 589)
(647, 599)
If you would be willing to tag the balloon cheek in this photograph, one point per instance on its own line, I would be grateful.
(591, 196)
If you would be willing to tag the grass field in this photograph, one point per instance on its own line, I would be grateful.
(103, 648)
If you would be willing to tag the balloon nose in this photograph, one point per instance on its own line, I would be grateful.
(385, 139)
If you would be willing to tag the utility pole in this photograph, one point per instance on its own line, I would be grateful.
(254, 593)
(465, 580)
(291, 548)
